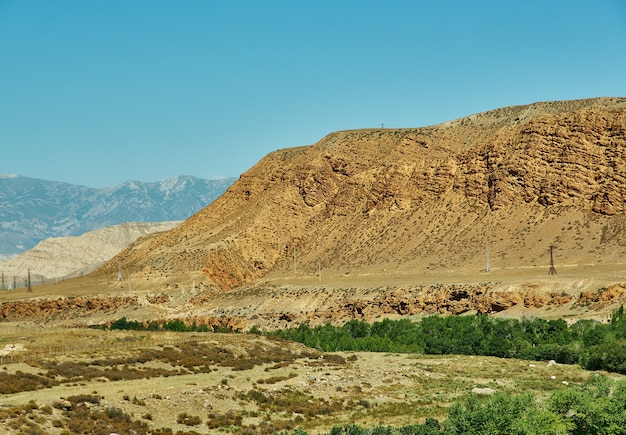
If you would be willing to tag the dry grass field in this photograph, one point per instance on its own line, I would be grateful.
(65, 381)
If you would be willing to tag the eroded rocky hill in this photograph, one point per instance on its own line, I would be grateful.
(413, 201)
(63, 257)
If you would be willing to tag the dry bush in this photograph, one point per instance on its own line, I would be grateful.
(72, 371)
(291, 401)
(84, 398)
(276, 379)
(332, 358)
(20, 381)
(17, 411)
(277, 426)
(81, 419)
(188, 420)
(230, 418)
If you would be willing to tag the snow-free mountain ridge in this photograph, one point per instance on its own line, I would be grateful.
(32, 210)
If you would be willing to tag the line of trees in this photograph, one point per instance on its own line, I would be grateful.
(591, 344)
(176, 325)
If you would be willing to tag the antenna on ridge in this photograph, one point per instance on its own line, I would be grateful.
(552, 270)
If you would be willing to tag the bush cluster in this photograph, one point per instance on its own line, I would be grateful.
(292, 402)
(72, 371)
(20, 381)
(188, 420)
(226, 419)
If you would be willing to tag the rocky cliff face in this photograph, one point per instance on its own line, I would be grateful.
(516, 179)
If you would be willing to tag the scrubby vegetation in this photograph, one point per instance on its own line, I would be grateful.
(294, 388)
(593, 345)
(598, 407)
(19, 381)
(187, 357)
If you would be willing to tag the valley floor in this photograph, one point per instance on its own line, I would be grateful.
(262, 383)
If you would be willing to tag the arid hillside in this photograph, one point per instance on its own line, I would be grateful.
(417, 201)
(62, 257)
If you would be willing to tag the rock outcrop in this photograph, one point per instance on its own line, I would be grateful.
(290, 306)
(516, 179)
(63, 309)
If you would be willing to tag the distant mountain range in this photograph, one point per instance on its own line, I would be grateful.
(63, 257)
(32, 210)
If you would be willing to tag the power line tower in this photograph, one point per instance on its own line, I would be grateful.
(295, 256)
(487, 263)
(552, 270)
(319, 270)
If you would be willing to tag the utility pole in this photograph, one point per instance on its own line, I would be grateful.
(552, 270)
(319, 270)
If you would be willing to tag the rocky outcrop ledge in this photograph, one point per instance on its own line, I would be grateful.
(281, 307)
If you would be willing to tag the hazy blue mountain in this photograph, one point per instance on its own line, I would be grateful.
(32, 210)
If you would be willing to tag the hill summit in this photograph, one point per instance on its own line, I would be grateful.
(377, 203)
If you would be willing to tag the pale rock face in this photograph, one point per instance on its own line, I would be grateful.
(62, 257)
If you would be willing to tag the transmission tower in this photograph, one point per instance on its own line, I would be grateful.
(295, 257)
(552, 270)
(319, 270)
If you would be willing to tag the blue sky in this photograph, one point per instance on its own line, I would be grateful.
(101, 92)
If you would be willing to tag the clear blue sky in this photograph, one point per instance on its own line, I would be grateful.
(100, 92)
